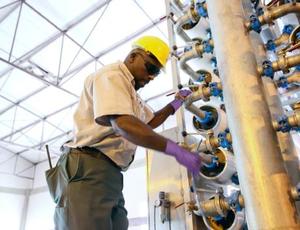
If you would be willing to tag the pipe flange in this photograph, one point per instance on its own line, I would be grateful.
(294, 120)
(294, 35)
(283, 64)
(266, 17)
(218, 206)
(193, 16)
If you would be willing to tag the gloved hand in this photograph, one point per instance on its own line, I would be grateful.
(188, 159)
(179, 98)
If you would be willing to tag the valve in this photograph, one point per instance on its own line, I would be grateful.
(215, 90)
(201, 9)
(284, 125)
(288, 29)
(224, 139)
(213, 62)
(282, 82)
(214, 163)
(268, 69)
(201, 77)
(207, 47)
(164, 205)
(207, 118)
(270, 45)
(255, 24)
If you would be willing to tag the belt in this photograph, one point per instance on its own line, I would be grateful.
(97, 154)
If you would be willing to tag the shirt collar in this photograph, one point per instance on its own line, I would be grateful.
(126, 72)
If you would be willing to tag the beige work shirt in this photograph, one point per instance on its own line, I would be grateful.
(109, 91)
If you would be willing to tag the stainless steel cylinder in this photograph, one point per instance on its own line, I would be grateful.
(263, 179)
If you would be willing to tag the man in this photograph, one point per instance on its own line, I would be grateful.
(110, 121)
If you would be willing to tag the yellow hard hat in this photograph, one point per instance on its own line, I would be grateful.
(155, 46)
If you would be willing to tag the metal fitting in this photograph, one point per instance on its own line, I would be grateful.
(295, 191)
(254, 24)
(217, 206)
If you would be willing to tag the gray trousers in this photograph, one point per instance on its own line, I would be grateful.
(87, 189)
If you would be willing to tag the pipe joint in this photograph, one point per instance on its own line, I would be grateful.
(267, 69)
(288, 29)
(208, 46)
(224, 139)
(207, 118)
(287, 123)
(216, 89)
(236, 201)
(254, 24)
(270, 45)
(215, 207)
(282, 82)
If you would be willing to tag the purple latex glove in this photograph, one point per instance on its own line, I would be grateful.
(190, 160)
(177, 102)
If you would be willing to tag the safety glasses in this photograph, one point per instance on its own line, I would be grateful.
(151, 69)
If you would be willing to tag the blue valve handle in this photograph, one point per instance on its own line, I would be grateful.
(207, 47)
(284, 125)
(282, 82)
(214, 90)
(222, 139)
(255, 23)
(288, 29)
(268, 69)
(201, 77)
(214, 163)
(207, 118)
(270, 45)
(202, 12)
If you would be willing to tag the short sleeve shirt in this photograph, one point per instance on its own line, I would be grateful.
(110, 91)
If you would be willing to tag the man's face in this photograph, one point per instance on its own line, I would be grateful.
(147, 68)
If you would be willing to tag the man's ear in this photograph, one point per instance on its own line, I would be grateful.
(132, 57)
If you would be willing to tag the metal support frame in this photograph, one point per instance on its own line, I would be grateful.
(18, 63)
(263, 179)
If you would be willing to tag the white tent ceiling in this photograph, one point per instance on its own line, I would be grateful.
(47, 48)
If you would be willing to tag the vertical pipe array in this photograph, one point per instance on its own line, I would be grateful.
(263, 180)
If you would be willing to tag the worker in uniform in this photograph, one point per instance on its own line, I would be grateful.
(110, 121)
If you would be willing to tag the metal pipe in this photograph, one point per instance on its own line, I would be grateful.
(283, 38)
(189, 15)
(196, 52)
(295, 77)
(276, 12)
(193, 53)
(294, 120)
(177, 5)
(265, 189)
(288, 149)
(283, 63)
